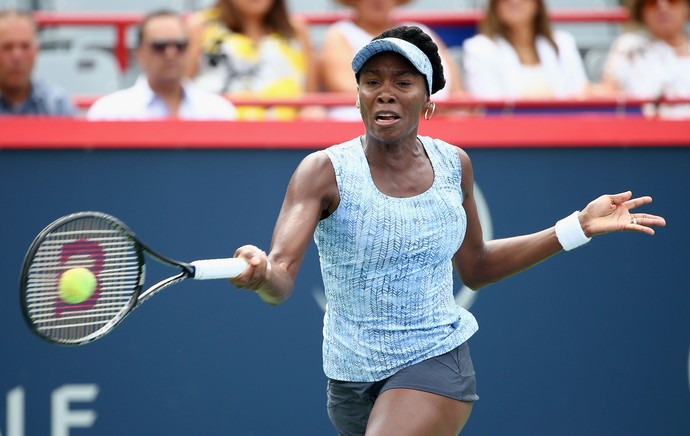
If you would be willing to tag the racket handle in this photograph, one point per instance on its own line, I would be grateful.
(209, 269)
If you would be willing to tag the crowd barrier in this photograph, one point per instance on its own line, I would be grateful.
(122, 22)
(327, 99)
(584, 130)
(465, 105)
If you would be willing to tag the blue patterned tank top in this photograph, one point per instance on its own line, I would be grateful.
(387, 269)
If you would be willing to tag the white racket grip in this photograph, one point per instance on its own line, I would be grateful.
(209, 269)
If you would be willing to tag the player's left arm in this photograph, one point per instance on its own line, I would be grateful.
(480, 263)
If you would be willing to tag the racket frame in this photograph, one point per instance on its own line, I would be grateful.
(138, 297)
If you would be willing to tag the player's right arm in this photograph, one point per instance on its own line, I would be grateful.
(311, 194)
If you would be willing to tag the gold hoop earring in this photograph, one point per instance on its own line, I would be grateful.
(428, 116)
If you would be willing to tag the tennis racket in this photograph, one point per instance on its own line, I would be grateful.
(114, 256)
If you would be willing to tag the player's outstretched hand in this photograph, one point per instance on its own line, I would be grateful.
(612, 213)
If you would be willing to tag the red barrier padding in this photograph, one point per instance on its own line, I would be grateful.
(550, 131)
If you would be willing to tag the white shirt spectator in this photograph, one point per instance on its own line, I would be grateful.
(140, 103)
(643, 67)
(493, 69)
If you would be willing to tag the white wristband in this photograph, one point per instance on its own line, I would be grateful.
(569, 232)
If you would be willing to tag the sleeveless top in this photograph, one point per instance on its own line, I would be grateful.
(273, 67)
(387, 270)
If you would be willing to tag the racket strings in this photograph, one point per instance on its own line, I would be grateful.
(105, 249)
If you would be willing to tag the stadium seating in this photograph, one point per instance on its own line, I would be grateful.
(79, 69)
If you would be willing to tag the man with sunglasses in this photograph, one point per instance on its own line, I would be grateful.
(161, 91)
(19, 93)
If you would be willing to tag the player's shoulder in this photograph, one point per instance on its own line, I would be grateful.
(316, 161)
(315, 174)
(333, 155)
(344, 150)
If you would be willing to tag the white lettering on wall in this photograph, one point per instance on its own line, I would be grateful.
(63, 418)
(15, 412)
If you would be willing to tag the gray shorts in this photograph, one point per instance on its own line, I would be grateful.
(450, 375)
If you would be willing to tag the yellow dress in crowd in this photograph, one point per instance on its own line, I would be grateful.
(235, 65)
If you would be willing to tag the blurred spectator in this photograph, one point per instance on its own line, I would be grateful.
(19, 94)
(253, 48)
(517, 55)
(346, 37)
(654, 62)
(162, 91)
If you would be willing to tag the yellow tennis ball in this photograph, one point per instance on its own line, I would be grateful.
(76, 285)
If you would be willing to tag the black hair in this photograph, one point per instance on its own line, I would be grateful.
(415, 35)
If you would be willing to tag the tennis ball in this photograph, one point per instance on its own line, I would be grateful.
(76, 285)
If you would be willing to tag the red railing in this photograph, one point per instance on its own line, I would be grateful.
(121, 22)
(620, 104)
(542, 131)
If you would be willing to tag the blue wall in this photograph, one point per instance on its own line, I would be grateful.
(594, 341)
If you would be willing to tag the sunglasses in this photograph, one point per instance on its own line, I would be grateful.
(655, 3)
(162, 45)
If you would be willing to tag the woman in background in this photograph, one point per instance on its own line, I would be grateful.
(250, 48)
(517, 55)
(654, 62)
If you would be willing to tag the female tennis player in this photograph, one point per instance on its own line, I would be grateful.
(391, 213)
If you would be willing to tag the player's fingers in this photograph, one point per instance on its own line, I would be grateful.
(645, 219)
(254, 275)
(619, 198)
(637, 202)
